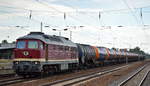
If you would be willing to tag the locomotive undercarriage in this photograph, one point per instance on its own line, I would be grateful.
(29, 68)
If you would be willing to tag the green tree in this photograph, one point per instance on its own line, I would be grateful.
(14, 42)
(4, 41)
(137, 50)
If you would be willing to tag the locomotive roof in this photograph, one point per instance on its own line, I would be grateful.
(49, 39)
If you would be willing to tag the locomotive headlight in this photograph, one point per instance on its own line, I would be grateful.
(16, 62)
(36, 62)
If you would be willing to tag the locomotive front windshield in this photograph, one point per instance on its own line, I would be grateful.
(21, 44)
(33, 44)
(30, 44)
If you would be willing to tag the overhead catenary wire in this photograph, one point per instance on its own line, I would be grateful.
(28, 10)
(141, 18)
(31, 19)
(133, 14)
(78, 11)
(104, 11)
(76, 19)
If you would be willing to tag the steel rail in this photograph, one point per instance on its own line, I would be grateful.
(129, 78)
(14, 81)
(78, 79)
(8, 82)
(7, 75)
(144, 78)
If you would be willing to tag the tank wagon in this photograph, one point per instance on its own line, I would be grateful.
(40, 53)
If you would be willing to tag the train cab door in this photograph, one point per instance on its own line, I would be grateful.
(46, 52)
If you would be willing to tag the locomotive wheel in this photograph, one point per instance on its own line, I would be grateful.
(49, 70)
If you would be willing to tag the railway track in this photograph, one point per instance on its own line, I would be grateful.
(145, 80)
(6, 75)
(137, 78)
(62, 76)
(78, 79)
(14, 80)
(11, 81)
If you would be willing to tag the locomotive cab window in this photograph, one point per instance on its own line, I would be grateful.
(21, 44)
(33, 44)
(41, 45)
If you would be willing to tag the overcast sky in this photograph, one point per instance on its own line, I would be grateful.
(100, 19)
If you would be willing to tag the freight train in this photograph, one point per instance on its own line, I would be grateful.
(40, 53)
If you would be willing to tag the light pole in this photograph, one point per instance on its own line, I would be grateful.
(126, 56)
(41, 27)
(70, 35)
(127, 51)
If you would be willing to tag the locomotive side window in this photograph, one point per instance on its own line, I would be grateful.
(60, 47)
(71, 49)
(66, 48)
(41, 45)
(33, 44)
(21, 44)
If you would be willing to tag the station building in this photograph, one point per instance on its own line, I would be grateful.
(6, 50)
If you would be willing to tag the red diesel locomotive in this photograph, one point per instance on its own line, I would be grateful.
(40, 53)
